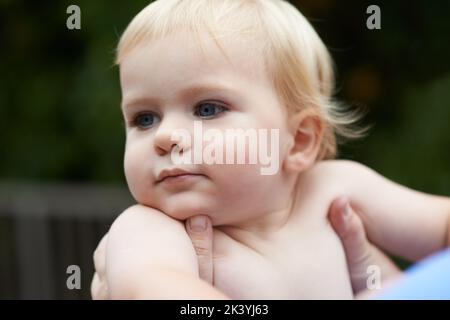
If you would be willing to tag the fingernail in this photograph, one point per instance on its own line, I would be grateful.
(197, 224)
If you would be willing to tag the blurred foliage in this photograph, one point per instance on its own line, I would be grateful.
(59, 91)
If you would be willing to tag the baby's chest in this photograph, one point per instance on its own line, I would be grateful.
(306, 267)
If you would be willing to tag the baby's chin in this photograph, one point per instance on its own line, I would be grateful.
(185, 206)
(218, 216)
(187, 210)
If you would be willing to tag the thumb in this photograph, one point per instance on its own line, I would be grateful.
(199, 229)
(360, 253)
(358, 250)
(349, 227)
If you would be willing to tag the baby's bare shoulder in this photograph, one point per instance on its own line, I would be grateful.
(344, 172)
(137, 216)
(327, 180)
(150, 229)
(142, 239)
(339, 166)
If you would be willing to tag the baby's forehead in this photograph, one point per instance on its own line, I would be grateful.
(181, 56)
(230, 50)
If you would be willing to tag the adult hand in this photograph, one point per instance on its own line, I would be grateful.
(199, 229)
(360, 253)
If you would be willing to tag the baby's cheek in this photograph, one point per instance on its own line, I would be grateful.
(238, 180)
(130, 176)
(135, 178)
(129, 167)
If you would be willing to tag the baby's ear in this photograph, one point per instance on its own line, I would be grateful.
(306, 129)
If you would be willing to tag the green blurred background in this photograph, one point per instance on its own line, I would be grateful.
(60, 96)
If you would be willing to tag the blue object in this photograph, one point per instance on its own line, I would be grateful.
(429, 279)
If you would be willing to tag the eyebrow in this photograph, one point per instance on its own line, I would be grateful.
(182, 95)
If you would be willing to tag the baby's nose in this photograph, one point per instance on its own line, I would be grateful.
(172, 131)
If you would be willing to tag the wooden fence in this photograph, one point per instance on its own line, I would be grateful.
(44, 228)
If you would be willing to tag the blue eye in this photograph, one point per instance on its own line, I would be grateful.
(146, 120)
(208, 110)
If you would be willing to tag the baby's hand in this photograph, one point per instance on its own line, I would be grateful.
(359, 251)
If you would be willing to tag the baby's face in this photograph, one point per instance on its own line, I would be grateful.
(170, 84)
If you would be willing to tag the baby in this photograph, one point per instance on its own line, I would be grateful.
(251, 65)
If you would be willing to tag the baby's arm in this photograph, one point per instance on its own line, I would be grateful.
(404, 222)
(150, 256)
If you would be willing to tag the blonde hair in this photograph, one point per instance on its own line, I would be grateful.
(295, 57)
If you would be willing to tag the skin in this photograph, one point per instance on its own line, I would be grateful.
(248, 229)
(360, 253)
(251, 103)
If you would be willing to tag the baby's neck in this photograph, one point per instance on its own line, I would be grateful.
(265, 224)
(260, 229)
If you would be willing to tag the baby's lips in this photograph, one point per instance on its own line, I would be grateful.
(174, 172)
